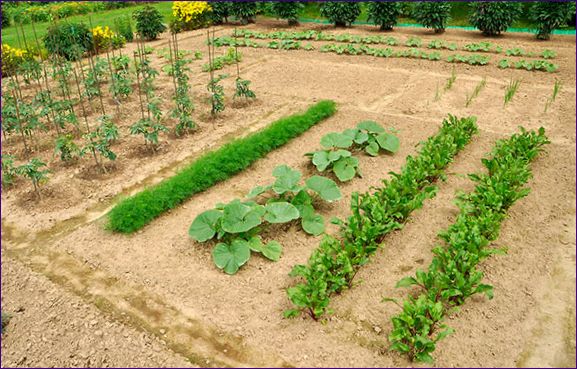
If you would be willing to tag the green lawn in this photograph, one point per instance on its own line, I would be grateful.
(104, 18)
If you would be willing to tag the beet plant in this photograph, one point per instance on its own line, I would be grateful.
(368, 136)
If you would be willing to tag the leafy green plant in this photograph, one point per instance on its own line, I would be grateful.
(538, 65)
(216, 94)
(149, 22)
(149, 129)
(494, 17)
(441, 44)
(123, 27)
(384, 14)
(414, 42)
(8, 170)
(231, 57)
(34, 172)
(452, 276)
(95, 76)
(183, 103)
(237, 224)
(472, 59)
(342, 14)
(289, 10)
(121, 86)
(484, 46)
(243, 89)
(476, 91)
(135, 212)
(368, 136)
(433, 15)
(99, 141)
(66, 148)
(511, 90)
(333, 265)
(549, 15)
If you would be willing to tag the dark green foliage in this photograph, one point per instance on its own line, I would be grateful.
(244, 11)
(433, 14)
(149, 23)
(384, 14)
(69, 40)
(221, 10)
(287, 10)
(548, 15)
(5, 17)
(135, 212)
(342, 14)
(334, 264)
(453, 276)
(123, 26)
(492, 18)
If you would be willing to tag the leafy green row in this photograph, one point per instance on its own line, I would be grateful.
(388, 40)
(135, 212)
(220, 62)
(453, 275)
(334, 264)
(540, 65)
(473, 59)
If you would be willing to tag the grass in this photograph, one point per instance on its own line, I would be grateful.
(480, 86)
(511, 90)
(104, 18)
(135, 212)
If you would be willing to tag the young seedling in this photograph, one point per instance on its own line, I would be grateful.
(66, 148)
(242, 85)
(511, 90)
(470, 97)
(8, 170)
(32, 170)
(556, 90)
(100, 141)
(451, 80)
(368, 136)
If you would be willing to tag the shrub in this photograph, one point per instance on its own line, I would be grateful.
(244, 11)
(5, 18)
(287, 10)
(550, 15)
(104, 38)
(123, 27)
(149, 23)
(12, 58)
(69, 40)
(221, 10)
(492, 18)
(433, 15)
(188, 15)
(340, 13)
(135, 212)
(384, 14)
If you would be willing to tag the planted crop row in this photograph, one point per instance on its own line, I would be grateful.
(412, 53)
(334, 264)
(540, 65)
(484, 46)
(453, 276)
(135, 212)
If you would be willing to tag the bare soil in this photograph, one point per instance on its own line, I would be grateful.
(160, 282)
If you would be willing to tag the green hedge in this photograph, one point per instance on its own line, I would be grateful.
(135, 212)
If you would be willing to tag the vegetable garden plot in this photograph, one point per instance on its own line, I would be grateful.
(163, 261)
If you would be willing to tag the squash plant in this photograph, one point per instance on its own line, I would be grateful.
(237, 224)
(368, 136)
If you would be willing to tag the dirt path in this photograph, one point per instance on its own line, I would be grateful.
(160, 282)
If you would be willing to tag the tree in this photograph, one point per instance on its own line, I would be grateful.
(433, 15)
(548, 15)
(287, 10)
(384, 14)
(342, 14)
(149, 23)
(492, 18)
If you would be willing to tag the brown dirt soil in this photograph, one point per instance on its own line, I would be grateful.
(158, 279)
